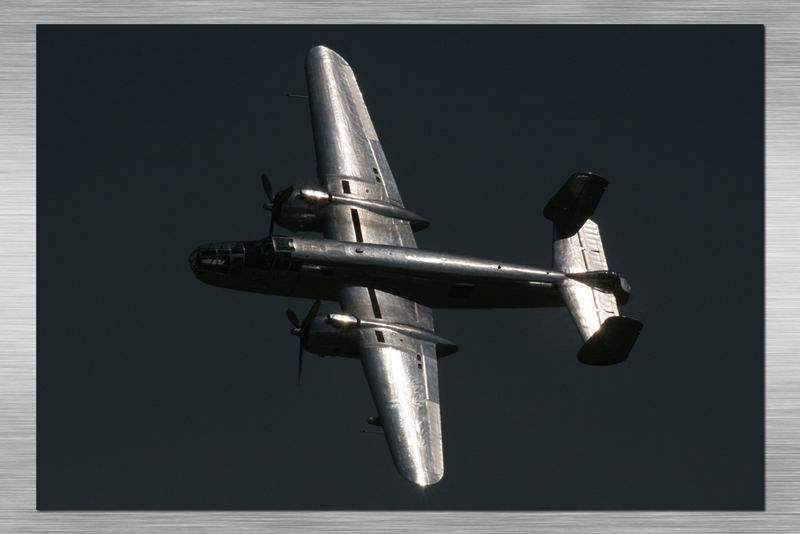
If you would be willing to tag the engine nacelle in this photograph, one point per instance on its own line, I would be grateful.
(298, 213)
(303, 208)
(346, 323)
(334, 335)
(327, 340)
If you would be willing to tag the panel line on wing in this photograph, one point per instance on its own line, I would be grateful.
(378, 171)
(389, 183)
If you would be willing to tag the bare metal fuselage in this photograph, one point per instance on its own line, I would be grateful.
(312, 268)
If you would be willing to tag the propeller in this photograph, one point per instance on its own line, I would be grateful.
(302, 330)
(267, 187)
(275, 203)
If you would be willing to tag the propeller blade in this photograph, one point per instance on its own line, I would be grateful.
(277, 206)
(302, 330)
(293, 318)
(310, 316)
(300, 362)
(267, 186)
(282, 197)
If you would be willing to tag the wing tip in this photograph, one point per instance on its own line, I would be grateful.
(322, 53)
(420, 465)
(423, 478)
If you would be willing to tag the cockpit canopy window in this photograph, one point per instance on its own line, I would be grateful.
(225, 257)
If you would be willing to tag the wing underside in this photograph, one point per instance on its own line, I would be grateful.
(402, 372)
(350, 158)
(402, 375)
(400, 367)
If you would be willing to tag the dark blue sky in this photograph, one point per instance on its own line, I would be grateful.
(156, 391)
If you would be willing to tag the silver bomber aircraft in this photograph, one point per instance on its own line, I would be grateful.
(369, 262)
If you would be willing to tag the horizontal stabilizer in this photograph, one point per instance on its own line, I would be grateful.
(612, 343)
(591, 292)
(577, 257)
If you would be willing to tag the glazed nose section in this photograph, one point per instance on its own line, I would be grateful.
(221, 258)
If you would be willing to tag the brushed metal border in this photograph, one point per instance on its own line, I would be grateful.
(18, 285)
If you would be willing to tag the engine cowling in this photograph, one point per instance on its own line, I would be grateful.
(297, 213)
(327, 340)
(302, 210)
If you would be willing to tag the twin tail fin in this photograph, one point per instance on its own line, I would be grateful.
(591, 292)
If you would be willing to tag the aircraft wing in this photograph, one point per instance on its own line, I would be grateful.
(400, 365)
(350, 159)
(402, 373)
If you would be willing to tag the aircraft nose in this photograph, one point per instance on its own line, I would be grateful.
(193, 260)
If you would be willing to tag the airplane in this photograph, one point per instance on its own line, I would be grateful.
(368, 261)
